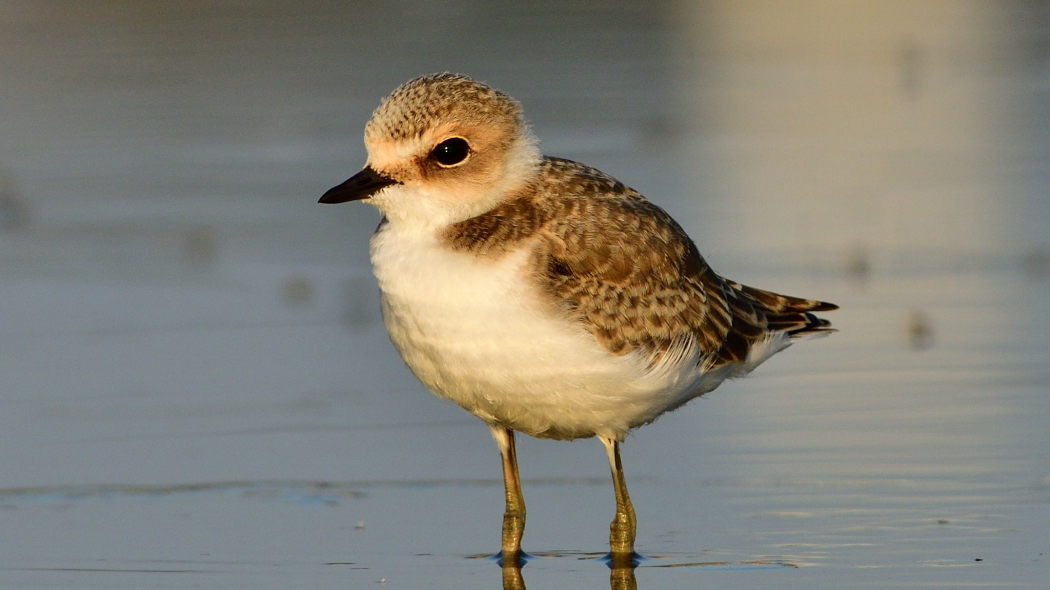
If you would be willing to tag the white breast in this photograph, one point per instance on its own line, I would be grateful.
(478, 332)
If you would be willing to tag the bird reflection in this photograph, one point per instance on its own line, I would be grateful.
(621, 576)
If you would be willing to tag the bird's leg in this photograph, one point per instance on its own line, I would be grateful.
(623, 527)
(514, 516)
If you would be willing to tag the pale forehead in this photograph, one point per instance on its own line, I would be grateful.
(386, 152)
(418, 105)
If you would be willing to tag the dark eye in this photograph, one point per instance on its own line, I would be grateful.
(452, 151)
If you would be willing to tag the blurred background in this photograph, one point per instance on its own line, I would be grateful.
(193, 373)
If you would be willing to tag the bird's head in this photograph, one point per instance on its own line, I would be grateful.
(442, 148)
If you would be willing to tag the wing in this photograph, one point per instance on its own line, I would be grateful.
(626, 270)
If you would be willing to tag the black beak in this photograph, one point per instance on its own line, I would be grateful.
(362, 185)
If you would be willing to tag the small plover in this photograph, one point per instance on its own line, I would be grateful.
(541, 295)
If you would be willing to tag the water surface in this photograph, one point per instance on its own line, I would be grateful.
(196, 391)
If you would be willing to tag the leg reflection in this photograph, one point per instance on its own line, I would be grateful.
(512, 579)
(621, 576)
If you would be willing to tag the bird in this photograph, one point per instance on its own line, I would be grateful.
(540, 294)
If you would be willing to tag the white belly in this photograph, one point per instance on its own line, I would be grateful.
(476, 332)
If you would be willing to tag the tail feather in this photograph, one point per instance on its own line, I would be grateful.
(814, 327)
(756, 314)
(777, 303)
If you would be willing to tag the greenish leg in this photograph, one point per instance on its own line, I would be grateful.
(624, 527)
(514, 516)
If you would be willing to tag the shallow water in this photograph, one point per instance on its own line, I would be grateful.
(195, 390)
